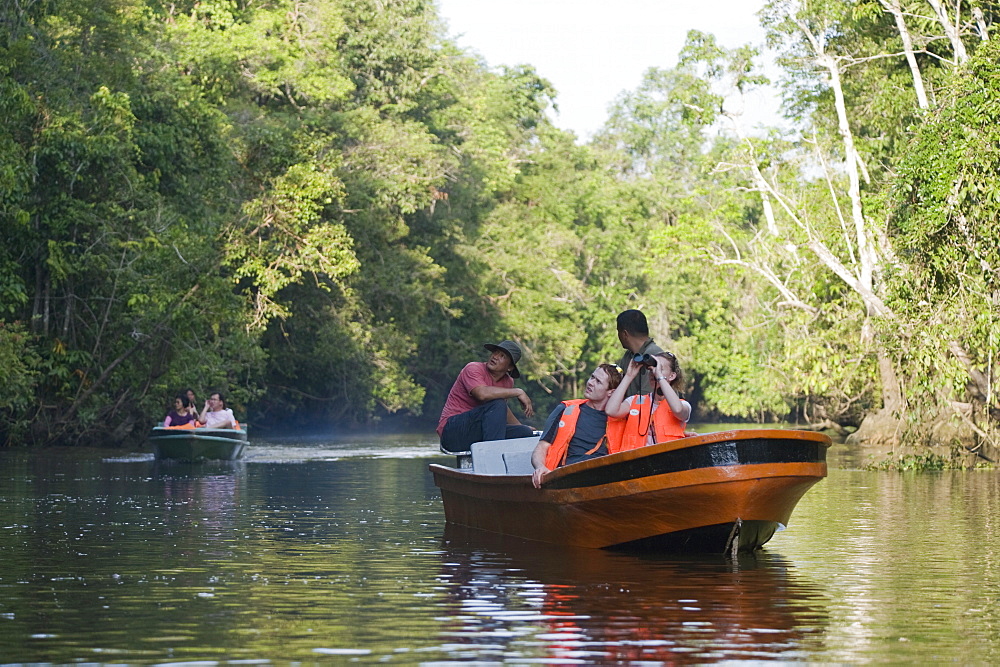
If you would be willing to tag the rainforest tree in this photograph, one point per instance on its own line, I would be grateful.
(325, 208)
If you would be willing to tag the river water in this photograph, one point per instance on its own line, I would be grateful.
(336, 551)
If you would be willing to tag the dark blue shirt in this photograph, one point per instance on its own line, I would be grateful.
(590, 429)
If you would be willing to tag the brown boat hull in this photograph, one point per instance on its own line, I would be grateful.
(685, 495)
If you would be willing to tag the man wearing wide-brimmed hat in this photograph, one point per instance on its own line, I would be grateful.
(476, 408)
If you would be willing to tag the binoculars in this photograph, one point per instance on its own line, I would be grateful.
(647, 360)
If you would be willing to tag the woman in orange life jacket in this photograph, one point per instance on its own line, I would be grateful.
(651, 418)
(578, 430)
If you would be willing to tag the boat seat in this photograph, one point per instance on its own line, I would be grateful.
(518, 463)
(503, 457)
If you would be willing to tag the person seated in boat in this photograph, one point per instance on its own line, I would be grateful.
(658, 416)
(580, 429)
(216, 414)
(193, 401)
(633, 334)
(181, 414)
(476, 408)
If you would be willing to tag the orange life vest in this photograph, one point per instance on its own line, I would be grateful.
(559, 447)
(236, 425)
(666, 425)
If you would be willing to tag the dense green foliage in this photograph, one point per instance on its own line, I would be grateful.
(324, 208)
(945, 219)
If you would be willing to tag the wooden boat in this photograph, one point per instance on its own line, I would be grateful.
(718, 492)
(198, 444)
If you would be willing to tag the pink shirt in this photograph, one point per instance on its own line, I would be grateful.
(460, 397)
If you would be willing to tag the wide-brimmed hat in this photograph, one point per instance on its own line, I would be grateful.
(512, 349)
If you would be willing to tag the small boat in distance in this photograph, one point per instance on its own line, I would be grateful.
(198, 444)
(719, 492)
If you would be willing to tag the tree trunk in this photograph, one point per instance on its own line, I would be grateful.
(984, 31)
(950, 31)
(980, 382)
(860, 278)
(894, 8)
(866, 251)
(882, 429)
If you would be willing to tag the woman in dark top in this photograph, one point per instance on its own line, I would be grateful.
(181, 414)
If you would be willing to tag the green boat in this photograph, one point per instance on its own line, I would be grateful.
(198, 444)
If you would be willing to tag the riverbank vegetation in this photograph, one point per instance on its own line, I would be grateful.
(324, 208)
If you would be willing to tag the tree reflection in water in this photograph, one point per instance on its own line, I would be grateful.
(535, 600)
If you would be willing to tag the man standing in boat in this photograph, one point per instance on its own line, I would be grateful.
(633, 333)
(476, 408)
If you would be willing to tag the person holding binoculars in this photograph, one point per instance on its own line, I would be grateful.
(658, 416)
(633, 334)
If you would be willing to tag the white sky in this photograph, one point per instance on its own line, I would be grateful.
(592, 50)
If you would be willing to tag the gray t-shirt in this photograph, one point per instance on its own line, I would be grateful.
(590, 428)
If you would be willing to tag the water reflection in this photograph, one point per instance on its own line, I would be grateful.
(105, 556)
(201, 502)
(577, 604)
(908, 562)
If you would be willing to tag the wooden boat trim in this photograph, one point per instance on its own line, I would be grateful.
(687, 443)
(518, 488)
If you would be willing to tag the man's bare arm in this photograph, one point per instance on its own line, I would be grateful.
(538, 463)
(484, 393)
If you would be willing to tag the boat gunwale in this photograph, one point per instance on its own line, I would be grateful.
(200, 438)
(685, 443)
(227, 435)
(518, 489)
(554, 476)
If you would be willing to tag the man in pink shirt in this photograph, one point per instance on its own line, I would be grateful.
(476, 407)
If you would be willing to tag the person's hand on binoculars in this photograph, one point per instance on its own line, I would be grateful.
(633, 369)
